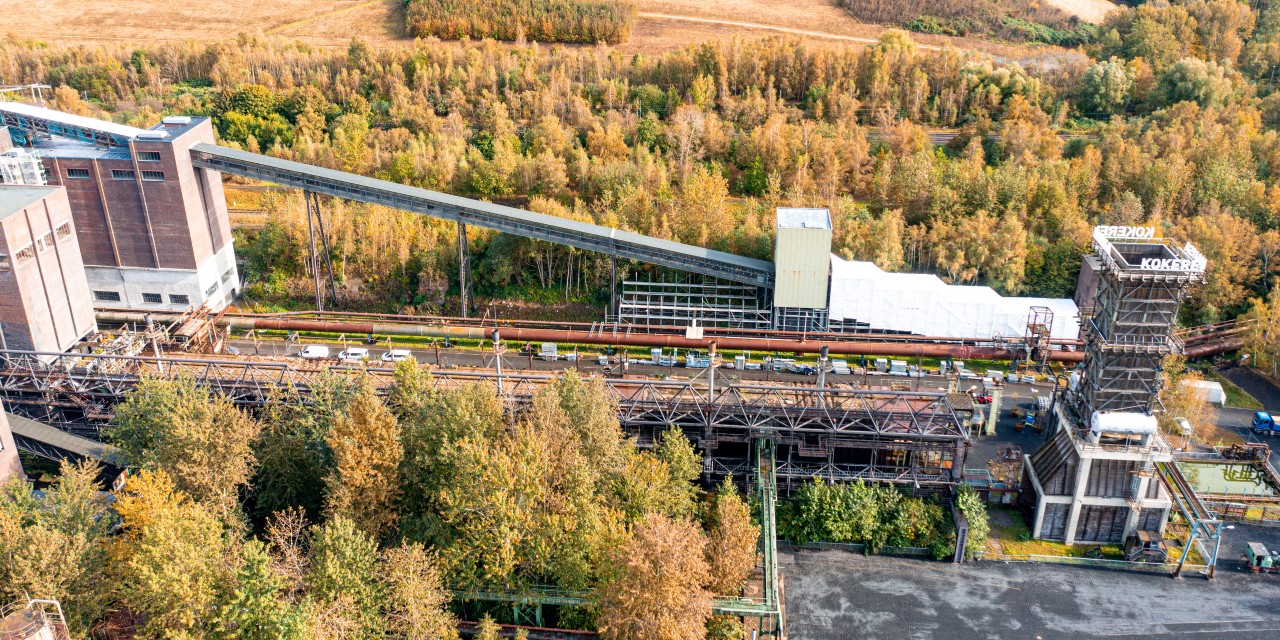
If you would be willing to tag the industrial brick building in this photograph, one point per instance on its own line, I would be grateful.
(153, 229)
(44, 296)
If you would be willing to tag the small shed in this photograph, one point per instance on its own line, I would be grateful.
(1210, 391)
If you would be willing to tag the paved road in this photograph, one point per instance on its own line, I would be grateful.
(834, 595)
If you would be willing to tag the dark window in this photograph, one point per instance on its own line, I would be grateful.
(78, 174)
(175, 298)
(4, 262)
(211, 290)
(44, 242)
(152, 298)
(64, 229)
(226, 275)
(149, 156)
(153, 176)
(26, 253)
(120, 174)
(106, 296)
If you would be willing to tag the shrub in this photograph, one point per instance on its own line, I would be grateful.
(580, 21)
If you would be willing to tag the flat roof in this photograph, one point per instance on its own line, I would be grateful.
(804, 219)
(68, 148)
(32, 111)
(16, 197)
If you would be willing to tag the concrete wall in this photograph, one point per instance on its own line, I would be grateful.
(10, 465)
(217, 273)
(44, 298)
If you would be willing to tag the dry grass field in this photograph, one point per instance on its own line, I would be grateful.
(663, 24)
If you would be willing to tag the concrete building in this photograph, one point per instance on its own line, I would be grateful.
(154, 230)
(44, 296)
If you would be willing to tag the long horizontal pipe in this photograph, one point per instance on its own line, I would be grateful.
(637, 340)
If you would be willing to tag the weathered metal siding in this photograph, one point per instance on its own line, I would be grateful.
(1109, 478)
(1054, 526)
(802, 262)
(1101, 524)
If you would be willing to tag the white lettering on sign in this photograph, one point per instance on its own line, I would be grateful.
(1118, 232)
(1166, 264)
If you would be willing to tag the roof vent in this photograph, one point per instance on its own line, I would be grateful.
(153, 135)
(177, 120)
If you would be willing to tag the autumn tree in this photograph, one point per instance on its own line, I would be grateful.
(365, 482)
(657, 588)
(202, 442)
(1262, 338)
(57, 546)
(416, 597)
(731, 540)
(173, 558)
(1179, 398)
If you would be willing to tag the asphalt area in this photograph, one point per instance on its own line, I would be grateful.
(836, 595)
(1255, 385)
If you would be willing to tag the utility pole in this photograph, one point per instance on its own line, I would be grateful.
(312, 262)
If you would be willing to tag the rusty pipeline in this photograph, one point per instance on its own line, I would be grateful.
(521, 334)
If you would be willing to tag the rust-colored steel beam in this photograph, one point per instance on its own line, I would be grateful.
(520, 334)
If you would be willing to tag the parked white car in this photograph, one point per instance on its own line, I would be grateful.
(396, 355)
(314, 352)
(354, 354)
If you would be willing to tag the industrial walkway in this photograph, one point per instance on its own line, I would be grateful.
(591, 237)
(47, 442)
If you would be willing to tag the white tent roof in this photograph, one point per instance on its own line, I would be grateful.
(923, 304)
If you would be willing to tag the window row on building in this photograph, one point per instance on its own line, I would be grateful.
(43, 243)
(147, 298)
(117, 174)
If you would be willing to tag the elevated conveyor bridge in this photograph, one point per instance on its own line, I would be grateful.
(580, 235)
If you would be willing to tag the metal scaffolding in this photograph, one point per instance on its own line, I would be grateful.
(710, 303)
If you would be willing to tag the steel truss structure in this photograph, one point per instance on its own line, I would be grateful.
(838, 433)
(1130, 332)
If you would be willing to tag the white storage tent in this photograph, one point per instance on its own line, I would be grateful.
(924, 305)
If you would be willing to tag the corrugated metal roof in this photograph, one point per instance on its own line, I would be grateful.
(82, 122)
(15, 198)
(487, 208)
(65, 148)
(804, 219)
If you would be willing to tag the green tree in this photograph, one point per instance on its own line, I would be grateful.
(292, 448)
(968, 503)
(364, 484)
(203, 443)
(344, 571)
(1105, 88)
(175, 561)
(255, 609)
(1194, 80)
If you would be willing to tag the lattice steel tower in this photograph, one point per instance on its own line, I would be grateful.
(1142, 284)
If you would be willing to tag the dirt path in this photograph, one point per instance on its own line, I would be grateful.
(765, 27)
(1087, 10)
(336, 12)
